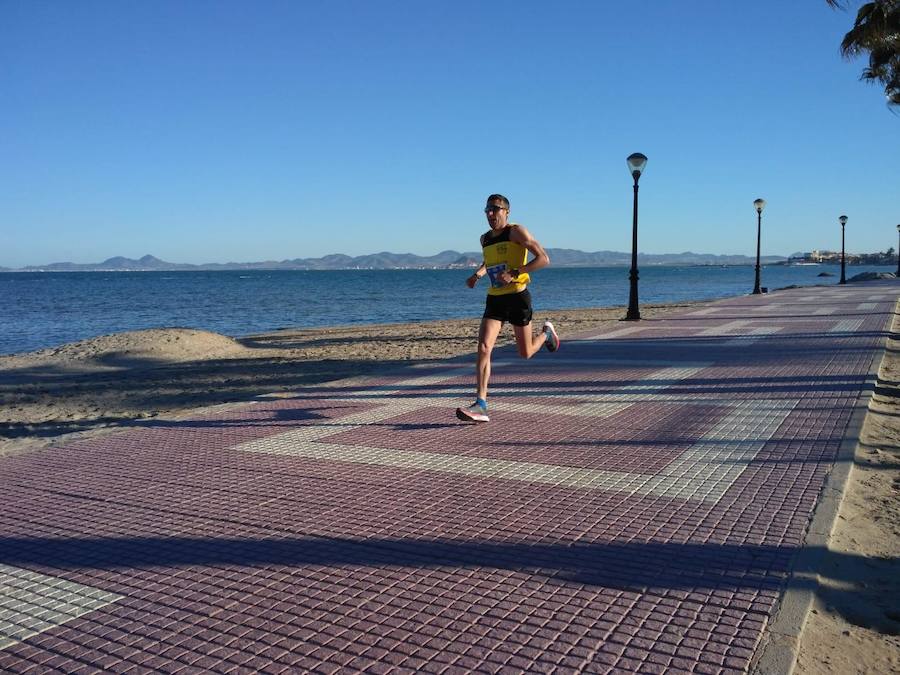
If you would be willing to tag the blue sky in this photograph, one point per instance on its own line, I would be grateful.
(244, 131)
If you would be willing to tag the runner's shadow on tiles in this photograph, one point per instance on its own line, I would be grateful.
(279, 418)
(288, 418)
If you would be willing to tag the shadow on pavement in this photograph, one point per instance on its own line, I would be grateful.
(636, 567)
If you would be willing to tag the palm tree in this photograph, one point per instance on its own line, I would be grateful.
(877, 32)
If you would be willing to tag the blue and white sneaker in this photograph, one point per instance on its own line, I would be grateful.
(552, 343)
(476, 412)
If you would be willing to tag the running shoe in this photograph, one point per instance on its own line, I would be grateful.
(474, 413)
(552, 343)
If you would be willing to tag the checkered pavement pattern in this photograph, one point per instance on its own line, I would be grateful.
(634, 505)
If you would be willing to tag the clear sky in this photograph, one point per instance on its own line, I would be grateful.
(215, 131)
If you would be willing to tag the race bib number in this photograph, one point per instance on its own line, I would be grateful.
(494, 272)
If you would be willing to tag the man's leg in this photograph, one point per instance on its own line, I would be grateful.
(487, 337)
(527, 342)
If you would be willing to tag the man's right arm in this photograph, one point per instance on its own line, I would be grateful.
(476, 275)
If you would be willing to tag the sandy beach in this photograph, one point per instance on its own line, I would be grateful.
(53, 396)
(113, 380)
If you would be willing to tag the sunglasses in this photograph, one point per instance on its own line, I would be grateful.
(490, 208)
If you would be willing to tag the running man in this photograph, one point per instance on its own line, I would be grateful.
(505, 248)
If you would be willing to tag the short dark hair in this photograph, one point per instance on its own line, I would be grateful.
(499, 198)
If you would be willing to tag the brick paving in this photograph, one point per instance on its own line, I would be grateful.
(635, 505)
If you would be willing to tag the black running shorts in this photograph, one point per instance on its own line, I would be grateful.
(513, 307)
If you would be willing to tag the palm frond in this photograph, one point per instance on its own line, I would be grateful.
(876, 32)
(872, 28)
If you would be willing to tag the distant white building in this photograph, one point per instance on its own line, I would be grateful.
(824, 256)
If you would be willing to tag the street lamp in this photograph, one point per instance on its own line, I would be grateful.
(898, 251)
(636, 164)
(843, 280)
(759, 205)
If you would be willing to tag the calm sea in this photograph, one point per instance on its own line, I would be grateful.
(49, 309)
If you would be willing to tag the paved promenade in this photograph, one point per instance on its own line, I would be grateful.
(636, 504)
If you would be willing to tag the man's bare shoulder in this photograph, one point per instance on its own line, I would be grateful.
(519, 234)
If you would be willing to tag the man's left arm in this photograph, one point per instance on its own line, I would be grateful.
(540, 260)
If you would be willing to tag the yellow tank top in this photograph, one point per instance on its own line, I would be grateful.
(502, 254)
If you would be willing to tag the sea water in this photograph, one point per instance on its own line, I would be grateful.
(46, 309)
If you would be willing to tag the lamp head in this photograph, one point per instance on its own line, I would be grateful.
(759, 204)
(843, 220)
(636, 164)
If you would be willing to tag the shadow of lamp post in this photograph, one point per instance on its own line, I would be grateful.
(759, 205)
(636, 164)
(843, 280)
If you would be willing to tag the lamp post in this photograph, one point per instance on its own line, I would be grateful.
(636, 164)
(898, 251)
(759, 205)
(843, 280)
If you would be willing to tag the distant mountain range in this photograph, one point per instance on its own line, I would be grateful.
(561, 257)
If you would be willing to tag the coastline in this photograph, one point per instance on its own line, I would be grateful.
(58, 309)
